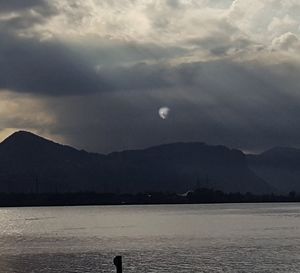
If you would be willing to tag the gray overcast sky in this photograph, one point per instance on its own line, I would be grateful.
(93, 73)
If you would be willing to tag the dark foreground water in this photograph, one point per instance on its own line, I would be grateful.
(180, 238)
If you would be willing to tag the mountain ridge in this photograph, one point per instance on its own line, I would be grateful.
(279, 166)
(27, 159)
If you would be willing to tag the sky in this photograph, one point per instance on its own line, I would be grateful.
(94, 73)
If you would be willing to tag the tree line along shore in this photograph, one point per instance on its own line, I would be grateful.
(198, 196)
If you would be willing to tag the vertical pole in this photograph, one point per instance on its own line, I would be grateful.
(118, 263)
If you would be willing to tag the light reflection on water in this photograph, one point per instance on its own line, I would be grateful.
(233, 238)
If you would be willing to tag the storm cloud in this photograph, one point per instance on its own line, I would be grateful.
(45, 67)
(16, 5)
(94, 73)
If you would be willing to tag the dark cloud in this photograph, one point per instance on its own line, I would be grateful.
(216, 102)
(17, 5)
(50, 67)
(30, 65)
(249, 105)
(104, 93)
(45, 67)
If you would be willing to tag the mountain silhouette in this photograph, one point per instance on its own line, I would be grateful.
(278, 166)
(184, 166)
(30, 163)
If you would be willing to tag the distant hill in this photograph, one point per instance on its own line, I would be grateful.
(184, 166)
(279, 166)
(29, 163)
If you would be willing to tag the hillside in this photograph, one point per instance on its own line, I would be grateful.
(29, 163)
(184, 166)
(279, 166)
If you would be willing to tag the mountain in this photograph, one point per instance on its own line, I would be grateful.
(29, 163)
(279, 166)
(184, 166)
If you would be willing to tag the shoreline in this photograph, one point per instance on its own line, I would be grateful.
(199, 196)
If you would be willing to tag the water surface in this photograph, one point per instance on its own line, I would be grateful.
(233, 238)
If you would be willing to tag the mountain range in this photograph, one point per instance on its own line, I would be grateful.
(279, 167)
(30, 163)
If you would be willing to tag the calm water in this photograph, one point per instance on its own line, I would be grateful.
(181, 238)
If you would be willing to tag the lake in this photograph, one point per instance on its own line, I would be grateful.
(233, 238)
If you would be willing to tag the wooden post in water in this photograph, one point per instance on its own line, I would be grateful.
(118, 263)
